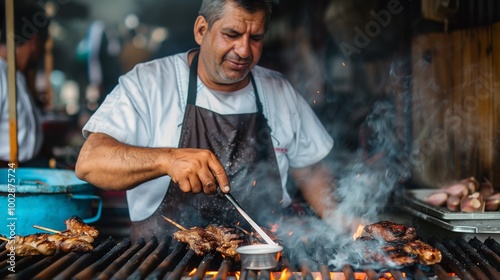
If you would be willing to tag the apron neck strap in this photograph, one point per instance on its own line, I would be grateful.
(193, 78)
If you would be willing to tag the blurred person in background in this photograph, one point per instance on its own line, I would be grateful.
(31, 33)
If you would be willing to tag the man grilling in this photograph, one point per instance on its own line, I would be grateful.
(204, 121)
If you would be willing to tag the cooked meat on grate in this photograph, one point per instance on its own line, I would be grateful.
(427, 254)
(74, 244)
(36, 241)
(399, 243)
(390, 231)
(47, 244)
(199, 239)
(77, 227)
(227, 240)
(58, 238)
(24, 250)
(224, 240)
(382, 253)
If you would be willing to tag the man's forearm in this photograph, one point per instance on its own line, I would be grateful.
(317, 185)
(109, 164)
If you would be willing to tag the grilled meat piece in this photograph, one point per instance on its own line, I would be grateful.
(383, 253)
(75, 245)
(227, 240)
(23, 250)
(224, 240)
(427, 254)
(389, 231)
(37, 241)
(47, 244)
(76, 226)
(400, 238)
(199, 239)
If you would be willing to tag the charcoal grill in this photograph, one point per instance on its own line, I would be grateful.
(167, 259)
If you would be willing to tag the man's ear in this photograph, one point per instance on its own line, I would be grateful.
(200, 28)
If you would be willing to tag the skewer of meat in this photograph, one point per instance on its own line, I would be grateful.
(20, 249)
(31, 245)
(59, 236)
(204, 240)
(224, 240)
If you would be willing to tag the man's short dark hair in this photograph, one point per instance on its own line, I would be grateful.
(212, 10)
(29, 20)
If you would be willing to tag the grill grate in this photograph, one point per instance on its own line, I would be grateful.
(154, 259)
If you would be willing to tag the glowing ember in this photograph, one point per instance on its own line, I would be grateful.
(192, 272)
(358, 232)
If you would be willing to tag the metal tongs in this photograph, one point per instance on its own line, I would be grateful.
(247, 217)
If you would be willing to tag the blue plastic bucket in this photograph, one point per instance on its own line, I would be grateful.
(44, 197)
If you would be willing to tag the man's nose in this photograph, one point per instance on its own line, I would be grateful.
(242, 47)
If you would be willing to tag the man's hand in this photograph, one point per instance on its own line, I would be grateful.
(197, 170)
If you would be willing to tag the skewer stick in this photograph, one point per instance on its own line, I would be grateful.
(4, 238)
(173, 223)
(47, 229)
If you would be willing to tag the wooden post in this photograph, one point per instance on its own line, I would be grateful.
(11, 78)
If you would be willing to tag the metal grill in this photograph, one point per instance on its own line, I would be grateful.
(157, 259)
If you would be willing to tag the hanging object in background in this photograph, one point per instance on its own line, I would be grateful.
(440, 10)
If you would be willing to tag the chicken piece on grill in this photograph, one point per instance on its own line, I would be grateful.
(23, 250)
(389, 231)
(47, 244)
(199, 239)
(76, 226)
(427, 254)
(37, 241)
(63, 242)
(75, 245)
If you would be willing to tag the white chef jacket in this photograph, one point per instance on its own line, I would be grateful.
(29, 131)
(147, 107)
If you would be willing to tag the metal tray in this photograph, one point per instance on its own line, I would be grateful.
(434, 221)
(415, 200)
(464, 226)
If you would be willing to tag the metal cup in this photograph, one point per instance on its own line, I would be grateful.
(260, 256)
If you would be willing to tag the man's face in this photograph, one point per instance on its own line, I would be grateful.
(231, 47)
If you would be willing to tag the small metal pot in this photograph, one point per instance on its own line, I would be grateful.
(260, 256)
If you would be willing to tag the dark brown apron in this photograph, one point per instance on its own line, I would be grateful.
(242, 143)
